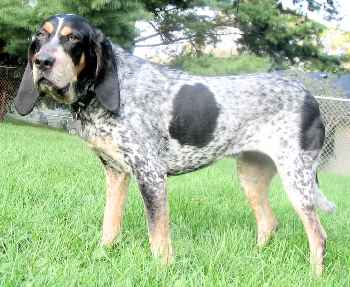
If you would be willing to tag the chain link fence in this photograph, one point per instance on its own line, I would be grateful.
(10, 78)
(336, 150)
(333, 95)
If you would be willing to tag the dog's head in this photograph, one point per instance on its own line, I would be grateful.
(65, 55)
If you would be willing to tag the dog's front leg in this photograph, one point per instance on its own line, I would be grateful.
(116, 194)
(154, 195)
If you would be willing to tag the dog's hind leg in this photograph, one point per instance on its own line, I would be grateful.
(116, 194)
(298, 174)
(256, 171)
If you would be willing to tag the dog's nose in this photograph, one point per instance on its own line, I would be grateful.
(44, 61)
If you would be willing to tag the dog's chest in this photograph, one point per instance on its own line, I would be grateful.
(110, 154)
(104, 140)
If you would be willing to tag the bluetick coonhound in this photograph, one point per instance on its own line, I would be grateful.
(151, 121)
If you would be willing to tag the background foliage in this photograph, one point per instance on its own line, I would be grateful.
(19, 19)
(268, 29)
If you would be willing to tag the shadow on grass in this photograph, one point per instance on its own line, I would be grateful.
(24, 123)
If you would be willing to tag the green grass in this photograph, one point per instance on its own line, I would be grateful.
(51, 208)
(210, 65)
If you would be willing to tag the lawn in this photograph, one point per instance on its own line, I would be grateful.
(51, 207)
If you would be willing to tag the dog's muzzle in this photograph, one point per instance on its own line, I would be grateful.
(44, 61)
(44, 83)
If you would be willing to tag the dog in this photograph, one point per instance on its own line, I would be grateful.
(150, 121)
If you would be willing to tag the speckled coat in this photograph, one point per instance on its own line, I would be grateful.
(254, 113)
(166, 122)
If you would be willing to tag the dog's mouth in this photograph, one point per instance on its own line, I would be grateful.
(46, 86)
(63, 95)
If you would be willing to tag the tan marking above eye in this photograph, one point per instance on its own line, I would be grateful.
(48, 27)
(66, 30)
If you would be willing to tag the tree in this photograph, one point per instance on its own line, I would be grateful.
(116, 18)
(172, 16)
(19, 19)
(178, 20)
(269, 29)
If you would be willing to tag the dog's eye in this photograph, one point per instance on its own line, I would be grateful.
(73, 38)
(42, 34)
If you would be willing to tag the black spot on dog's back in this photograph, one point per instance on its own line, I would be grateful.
(194, 116)
(312, 127)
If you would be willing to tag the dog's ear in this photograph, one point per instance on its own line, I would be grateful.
(26, 94)
(107, 82)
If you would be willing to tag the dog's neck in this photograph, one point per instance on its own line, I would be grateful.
(82, 103)
(85, 89)
(128, 66)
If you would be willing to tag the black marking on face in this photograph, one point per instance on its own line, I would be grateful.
(312, 127)
(76, 41)
(195, 114)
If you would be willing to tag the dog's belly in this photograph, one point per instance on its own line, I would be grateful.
(185, 158)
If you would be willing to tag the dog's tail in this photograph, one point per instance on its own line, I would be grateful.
(321, 200)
